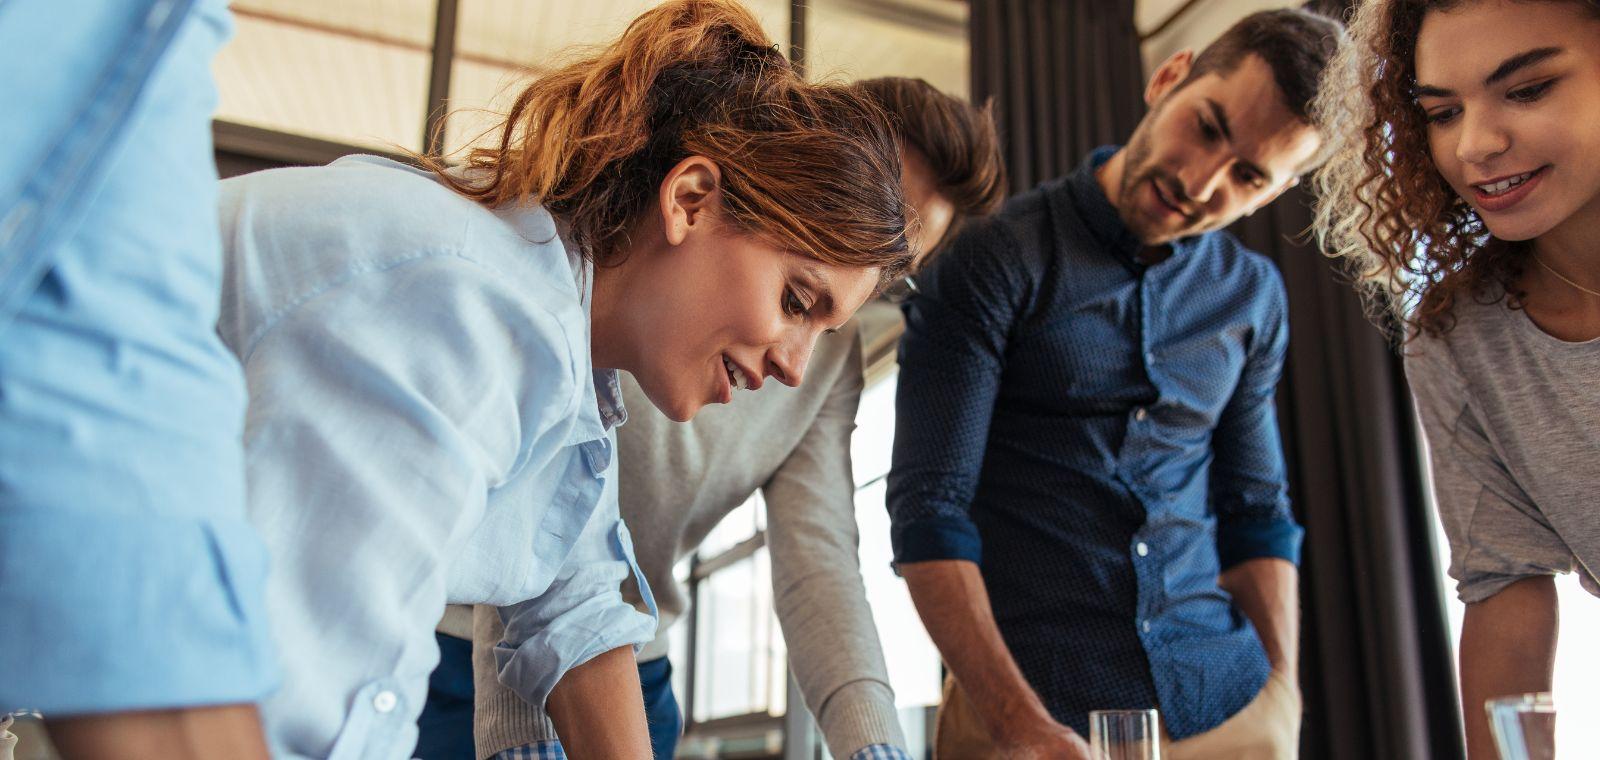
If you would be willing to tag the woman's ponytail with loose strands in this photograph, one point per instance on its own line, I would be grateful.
(811, 169)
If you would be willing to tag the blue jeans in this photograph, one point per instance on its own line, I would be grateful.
(129, 578)
(445, 726)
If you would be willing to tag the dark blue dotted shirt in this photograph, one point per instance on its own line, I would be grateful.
(1099, 436)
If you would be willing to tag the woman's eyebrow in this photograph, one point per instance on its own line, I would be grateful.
(1509, 66)
(1520, 61)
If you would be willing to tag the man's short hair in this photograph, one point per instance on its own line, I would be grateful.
(1296, 44)
(958, 139)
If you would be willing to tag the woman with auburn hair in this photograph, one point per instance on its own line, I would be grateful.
(432, 360)
(1465, 195)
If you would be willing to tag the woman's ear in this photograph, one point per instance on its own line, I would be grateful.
(690, 194)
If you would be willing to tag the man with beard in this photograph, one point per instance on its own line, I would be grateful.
(1088, 488)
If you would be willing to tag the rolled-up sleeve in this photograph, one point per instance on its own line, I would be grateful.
(951, 359)
(1497, 533)
(582, 615)
(1249, 486)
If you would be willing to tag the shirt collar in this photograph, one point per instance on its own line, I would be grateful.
(608, 392)
(1100, 217)
(607, 388)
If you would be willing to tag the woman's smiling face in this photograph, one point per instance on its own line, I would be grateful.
(1511, 96)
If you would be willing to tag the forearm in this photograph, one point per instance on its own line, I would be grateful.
(1267, 592)
(598, 709)
(954, 606)
(1508, 646)
(820, 599)
(834, 648)
(232, 731)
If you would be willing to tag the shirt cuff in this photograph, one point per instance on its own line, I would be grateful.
(880, 752)
(533, 667)
(550, 750)
(1258, 539)
(936, 538)
(860, 714)
(91, 605)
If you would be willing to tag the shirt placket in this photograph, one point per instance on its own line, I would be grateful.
(1142, 550)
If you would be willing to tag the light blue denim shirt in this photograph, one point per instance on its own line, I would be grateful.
(424, 427)
(129, 577)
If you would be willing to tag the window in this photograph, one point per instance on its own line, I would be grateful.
(503, 44)
(913, 661)
(355, 73)
(1575, 693)
(857, 39)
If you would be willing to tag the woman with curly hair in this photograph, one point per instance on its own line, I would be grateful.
(432, 358)
(1465, 196)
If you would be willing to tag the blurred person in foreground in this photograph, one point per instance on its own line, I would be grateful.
(131, 586)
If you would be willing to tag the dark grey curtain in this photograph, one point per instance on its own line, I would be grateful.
(1065, 76)
(1375, 659)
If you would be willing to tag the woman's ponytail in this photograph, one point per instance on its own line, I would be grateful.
(811, 168)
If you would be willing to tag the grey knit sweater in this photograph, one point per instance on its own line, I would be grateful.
(677, 481)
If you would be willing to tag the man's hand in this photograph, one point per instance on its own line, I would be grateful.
(954, 607)
(1267, 591)
(1042, 741)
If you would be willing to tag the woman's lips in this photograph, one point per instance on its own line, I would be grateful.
(724, 386)
(1503, 201)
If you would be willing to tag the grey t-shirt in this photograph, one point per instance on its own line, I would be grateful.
(1512, 417)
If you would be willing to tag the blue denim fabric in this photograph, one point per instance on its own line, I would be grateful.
(128, 576)
(444, 730)
(446, 722)
(660, 706)
(1099, 434)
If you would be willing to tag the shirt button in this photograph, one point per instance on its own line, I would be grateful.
(1146, 626)
(385, 701)
(1143, 548)
(1140, 413)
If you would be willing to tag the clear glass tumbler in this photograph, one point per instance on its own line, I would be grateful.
(1125, 735)
(1524, 726)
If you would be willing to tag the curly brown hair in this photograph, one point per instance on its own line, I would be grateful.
(809, 168)
(1410, 243)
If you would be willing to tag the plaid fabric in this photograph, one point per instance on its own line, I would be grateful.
(880, 752)
(553, 751)
(535, 751)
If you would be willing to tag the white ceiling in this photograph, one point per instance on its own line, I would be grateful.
(1198, 26)
(357, 70)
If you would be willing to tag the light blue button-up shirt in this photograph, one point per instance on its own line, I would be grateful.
(424, 427)
(129, 577)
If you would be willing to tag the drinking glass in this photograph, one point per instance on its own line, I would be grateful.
(1125, 735)
(1524, 726)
